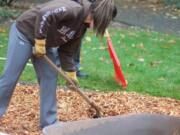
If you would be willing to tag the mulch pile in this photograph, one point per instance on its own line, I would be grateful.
(22, 117)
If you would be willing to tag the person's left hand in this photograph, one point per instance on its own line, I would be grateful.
(73, 77)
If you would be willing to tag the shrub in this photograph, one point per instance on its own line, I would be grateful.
(7, 2)
(172, 2)
(7, 13)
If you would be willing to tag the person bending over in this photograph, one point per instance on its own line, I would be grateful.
(58, 23)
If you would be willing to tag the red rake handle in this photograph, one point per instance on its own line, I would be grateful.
(119, 77)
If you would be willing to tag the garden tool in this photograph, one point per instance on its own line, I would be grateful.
(119, 77)
(74, 87)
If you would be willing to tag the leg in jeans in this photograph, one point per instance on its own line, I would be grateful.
(77, 59)
(18, 54)
(79, 73)
(47, 79)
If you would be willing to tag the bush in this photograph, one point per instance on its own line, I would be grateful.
(6, 13)
(172, 2)
(7, 2)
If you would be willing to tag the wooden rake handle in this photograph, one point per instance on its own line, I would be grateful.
(74, 87)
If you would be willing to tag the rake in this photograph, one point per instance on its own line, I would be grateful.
(75, 88)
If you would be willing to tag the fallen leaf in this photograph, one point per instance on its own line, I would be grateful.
(88, 39)
(22, 117)
(172, 41)
(140, 59)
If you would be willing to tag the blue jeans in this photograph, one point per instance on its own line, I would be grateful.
(76, 57)
(19, 52)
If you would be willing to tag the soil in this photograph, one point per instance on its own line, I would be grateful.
(22, 117)
(153, 5)
(149, 14)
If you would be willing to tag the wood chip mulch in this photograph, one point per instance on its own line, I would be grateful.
(22, 116)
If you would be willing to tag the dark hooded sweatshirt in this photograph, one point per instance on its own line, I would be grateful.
(61, 23)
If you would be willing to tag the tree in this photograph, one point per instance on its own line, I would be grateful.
(6, 2)
(173, 2)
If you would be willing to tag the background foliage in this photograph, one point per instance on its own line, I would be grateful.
(172, 2)
(7, 2)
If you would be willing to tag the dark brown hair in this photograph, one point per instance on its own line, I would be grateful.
(103, 12)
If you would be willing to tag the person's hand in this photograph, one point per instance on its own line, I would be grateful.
(73, 77)
(39, 50)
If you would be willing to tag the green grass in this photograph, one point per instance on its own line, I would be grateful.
(150, 62)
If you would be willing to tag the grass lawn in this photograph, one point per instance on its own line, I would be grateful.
(150, 62)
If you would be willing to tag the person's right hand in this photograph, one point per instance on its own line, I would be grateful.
(39, 49)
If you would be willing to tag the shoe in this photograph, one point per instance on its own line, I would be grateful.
(81, 74)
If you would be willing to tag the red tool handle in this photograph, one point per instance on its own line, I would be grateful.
(119, 77)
